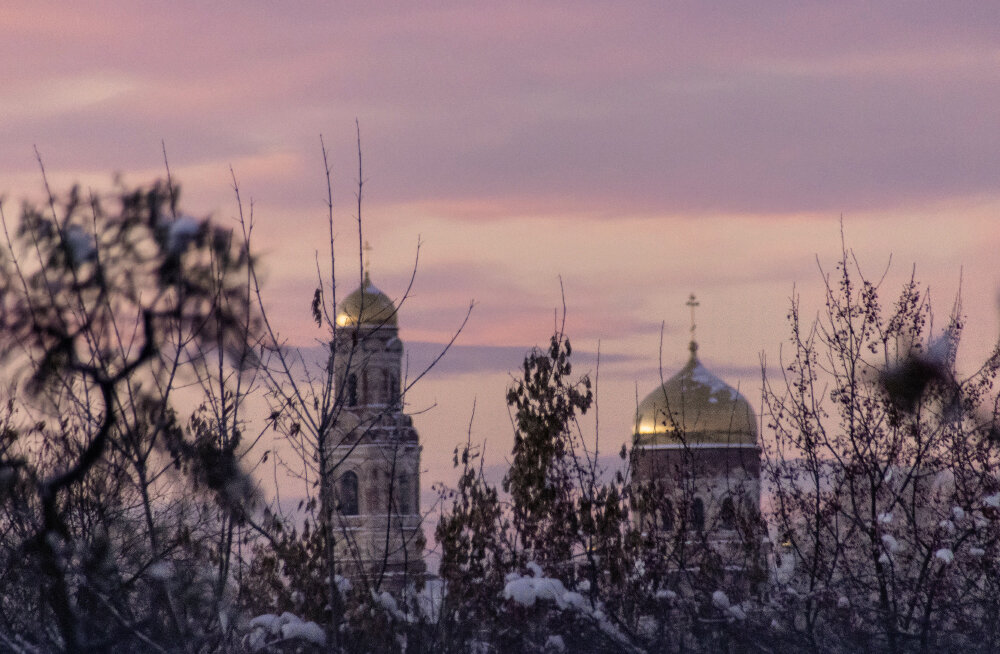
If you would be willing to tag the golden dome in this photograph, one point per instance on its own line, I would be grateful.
(367, 306)
(704, 408)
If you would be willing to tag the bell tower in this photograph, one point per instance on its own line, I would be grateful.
(375, 451)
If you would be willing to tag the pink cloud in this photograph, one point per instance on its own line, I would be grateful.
(692, 107)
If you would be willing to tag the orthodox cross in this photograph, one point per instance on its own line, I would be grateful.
(368, 263)
(692, 302)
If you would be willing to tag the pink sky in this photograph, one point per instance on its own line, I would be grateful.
(642, 151)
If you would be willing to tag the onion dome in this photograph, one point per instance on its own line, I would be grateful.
(694, 407)
(367, 306)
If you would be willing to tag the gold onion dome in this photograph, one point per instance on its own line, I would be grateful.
(695, 407)
(367, 306)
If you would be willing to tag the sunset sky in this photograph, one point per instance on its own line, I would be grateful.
(641, 151)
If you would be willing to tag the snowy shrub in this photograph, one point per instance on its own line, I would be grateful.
(285, 632)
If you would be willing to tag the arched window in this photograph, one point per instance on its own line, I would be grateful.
(349, 493)
(352, 390)
(698, 514)
(727, 513)
(666, 522)
(390, 387)
(403, 495)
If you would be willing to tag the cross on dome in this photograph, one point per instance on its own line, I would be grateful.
(695, 408)
(365, 255)
(692, 302)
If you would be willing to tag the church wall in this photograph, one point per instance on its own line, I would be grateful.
(386, 528)
(710, 474)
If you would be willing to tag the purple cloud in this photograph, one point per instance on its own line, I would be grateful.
(582, 107)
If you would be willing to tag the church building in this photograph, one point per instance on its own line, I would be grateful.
(696, 437)
(375, 451)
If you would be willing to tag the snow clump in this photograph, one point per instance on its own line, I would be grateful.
(80, 244)
(945, 555)
(344, 585)
(161, 570)
(181, 232)
(527, 590)
(720, 600)
(267, 629)
(388, 604)
(304, 630)
(701, 375)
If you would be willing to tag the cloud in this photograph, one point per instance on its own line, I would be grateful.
(688, 108)
(730, 373)
(472, 359)
(497, 465)
(58, 96)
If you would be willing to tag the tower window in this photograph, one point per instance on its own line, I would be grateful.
(403, 495)
(666, 516)
(352, 390)
(727, 514)
(349, 493)
(698, 514)
(390, 389)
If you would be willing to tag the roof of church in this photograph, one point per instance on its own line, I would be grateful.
(695, 407)
(367, 306)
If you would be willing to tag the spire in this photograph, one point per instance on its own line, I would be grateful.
(693, 346)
